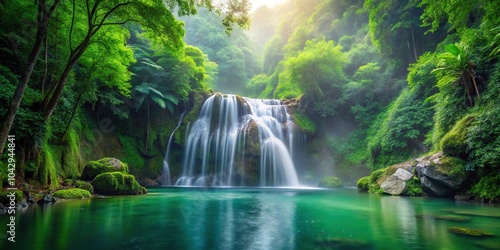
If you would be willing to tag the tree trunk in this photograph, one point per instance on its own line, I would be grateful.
(73, 112)
(43, 20)
(52, 98)
(147, 131)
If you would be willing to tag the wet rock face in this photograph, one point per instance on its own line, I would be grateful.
(434, 180)
(249, 164)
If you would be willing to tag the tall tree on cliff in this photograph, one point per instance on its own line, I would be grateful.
(156, 16)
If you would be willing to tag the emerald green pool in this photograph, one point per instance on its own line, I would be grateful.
(190, 218)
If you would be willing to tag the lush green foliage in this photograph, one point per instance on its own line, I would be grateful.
(72, 193)
(400, 131)
(233, 54)
(305, 123)
(487, 187)
(375, 86)
(363, 184)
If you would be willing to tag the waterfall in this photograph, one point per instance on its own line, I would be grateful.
(238, 141)
(166, 167)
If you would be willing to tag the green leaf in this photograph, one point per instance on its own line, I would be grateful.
(452, 49)
(160, 101)
(171, 98)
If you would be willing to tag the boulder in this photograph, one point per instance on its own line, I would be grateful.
(94, 168)
(437, 177)
(117, 183)
(330, 182)
(48, 198)
(396, 183)
(403, 174)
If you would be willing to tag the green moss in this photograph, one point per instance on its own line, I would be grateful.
(117, 183)
(72, 160)
(364, 184)
(468, 232)
(330, 182)
(131, 154)
(47, 174)
(305, 123)
(454, 142)
(94, 168)
(376, 175)
(452, 166)
(84, 185)
(73, 193)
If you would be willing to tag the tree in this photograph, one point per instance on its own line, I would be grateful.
(155, 16)
(43, 16)
(152, 92)
(317, 72)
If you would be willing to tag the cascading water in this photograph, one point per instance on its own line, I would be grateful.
(238, 141)
(166, 167)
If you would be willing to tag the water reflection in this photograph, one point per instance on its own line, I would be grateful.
(251, 219)
(238, 221)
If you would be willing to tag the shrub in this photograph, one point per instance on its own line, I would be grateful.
(330, 182)
(414, 187)
(487, 187)
(305, 123)
(4, 199)
(364, 184)
(73, 193)
(483, 139)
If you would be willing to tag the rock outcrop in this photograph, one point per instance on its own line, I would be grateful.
(439, 175)
(436, 175)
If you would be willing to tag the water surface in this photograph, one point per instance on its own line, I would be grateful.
(258, 218)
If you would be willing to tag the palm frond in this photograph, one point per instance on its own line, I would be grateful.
(160, 101)
(152, 64)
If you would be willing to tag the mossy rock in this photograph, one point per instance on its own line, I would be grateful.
(453, 218)
(341, 243)
(330, 182)
(84, 185)
(454, 142)
(94, 168)
(117, 183)
(364, 184)
(72, 193)
(469, 232)
(452, 166)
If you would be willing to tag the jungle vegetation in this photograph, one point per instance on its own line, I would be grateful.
(378, 81)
